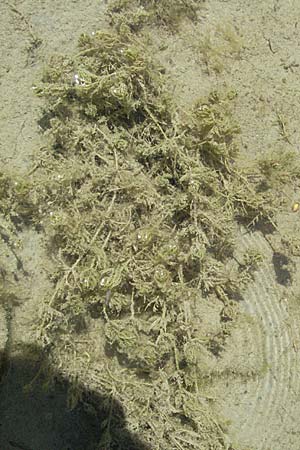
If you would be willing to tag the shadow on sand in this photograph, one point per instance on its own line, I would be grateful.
(35, 418)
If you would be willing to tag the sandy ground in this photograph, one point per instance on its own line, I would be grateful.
(257, 55)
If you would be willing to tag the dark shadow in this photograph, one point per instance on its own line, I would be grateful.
(36, 416)
(280, 263)
(262, 225)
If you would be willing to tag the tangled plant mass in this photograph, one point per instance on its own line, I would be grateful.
(139, 204)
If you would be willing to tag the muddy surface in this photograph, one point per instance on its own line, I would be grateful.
(257, 388)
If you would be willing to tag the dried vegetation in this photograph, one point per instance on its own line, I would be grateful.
(139, 205)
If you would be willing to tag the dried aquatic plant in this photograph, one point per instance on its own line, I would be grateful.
(139, 209)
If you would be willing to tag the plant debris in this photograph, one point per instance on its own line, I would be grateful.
(140, 205)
